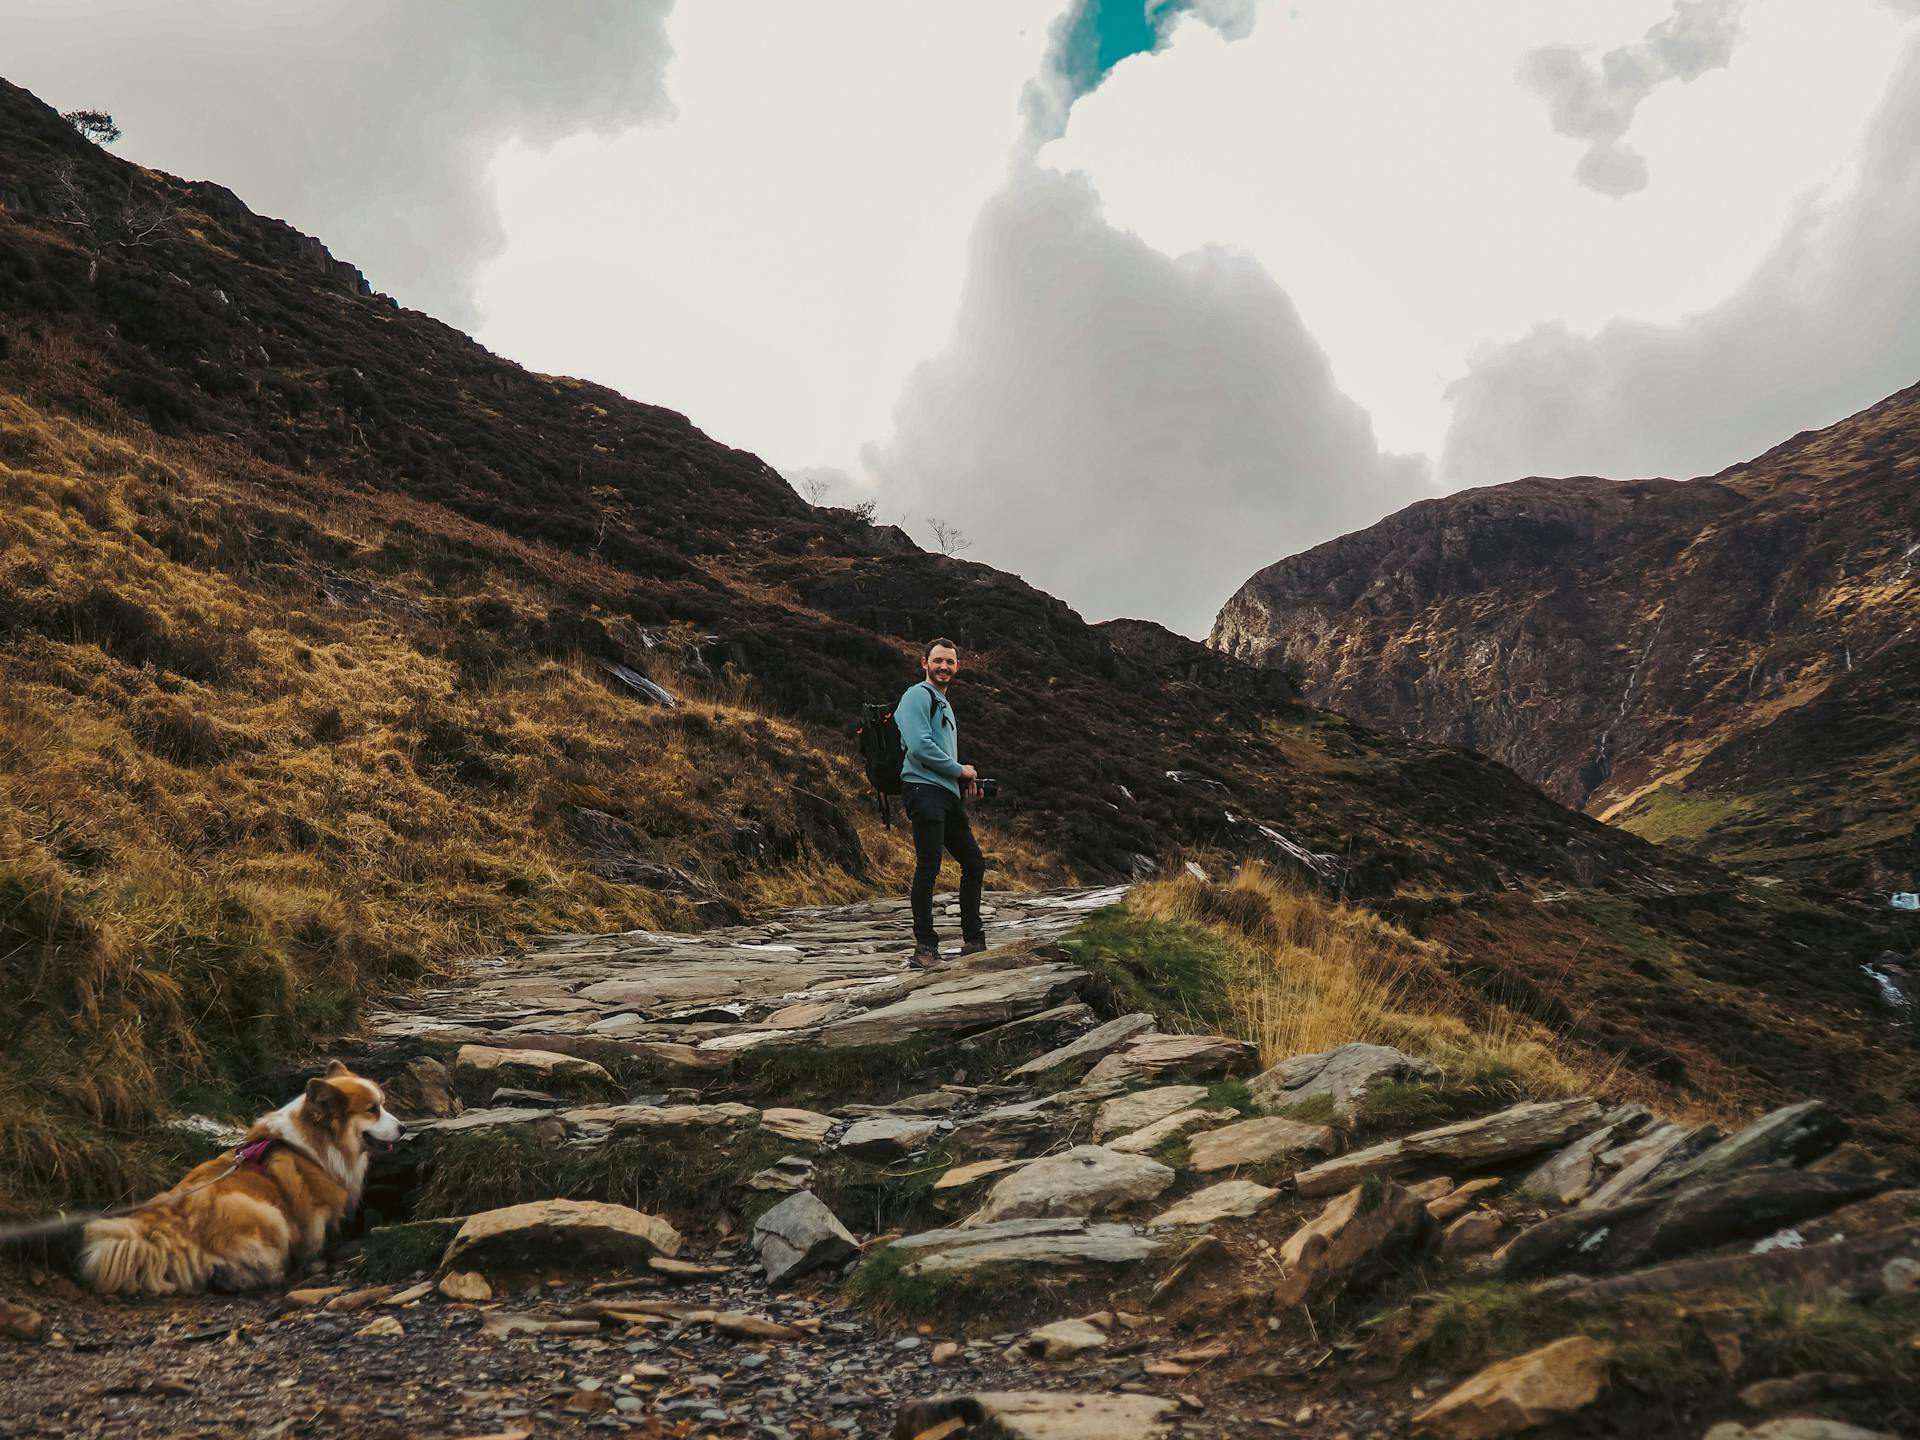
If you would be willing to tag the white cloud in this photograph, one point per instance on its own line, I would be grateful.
(369, 125)
(1385, 165)
(1827, 323)
(775, 261)
(1133, 432)
(1596, 101)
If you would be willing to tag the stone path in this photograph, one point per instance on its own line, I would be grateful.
(1159, 1242)
(833, 975)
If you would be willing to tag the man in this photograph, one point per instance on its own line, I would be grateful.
(934, 790)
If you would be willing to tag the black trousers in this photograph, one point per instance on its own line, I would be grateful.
(940, 826)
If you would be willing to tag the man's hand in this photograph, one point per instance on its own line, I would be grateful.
(969, 774)
(969, 782)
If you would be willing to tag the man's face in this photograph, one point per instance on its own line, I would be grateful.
(942, 664)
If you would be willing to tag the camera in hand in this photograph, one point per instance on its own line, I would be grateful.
(987, 788)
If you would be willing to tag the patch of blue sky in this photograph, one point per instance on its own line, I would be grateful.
(1105, 32)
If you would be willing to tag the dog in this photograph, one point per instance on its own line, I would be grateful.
(244, 1219)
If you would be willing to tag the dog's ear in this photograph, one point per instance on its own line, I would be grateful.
(323, 1101)
(334, 1067)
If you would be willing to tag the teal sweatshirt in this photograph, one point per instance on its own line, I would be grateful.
(931, 736)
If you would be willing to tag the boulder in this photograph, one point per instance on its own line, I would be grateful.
(804, 1127)
(887, 1138)
(970, 1000)
(1528, 1390)
(1037, 1415)
(1175, 1126)
(1229, 1199)
(1256, 1142)
(1084, 1050)
(1085, 1180)
(1345, 1074)
(1065, 1243)
(491, 1063)
(544, 1232)
(799, 1235)
(1125, 1114)
(1357, 1234)
(1147, 1057)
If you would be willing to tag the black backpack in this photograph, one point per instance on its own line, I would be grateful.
(882, 752)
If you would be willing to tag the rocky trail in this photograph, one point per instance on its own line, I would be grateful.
(770, 1182)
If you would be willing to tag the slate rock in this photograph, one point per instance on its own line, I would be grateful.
(1085, 1180)
(477, 1062)
(1066, 1243)
(546, 1232)
(1229, 1199)
(887, 1137)
(1345, 1074)
(1526, 1391)
(800, 1235)
(969, 1000)
(1040, 1415)
(1353, 1237)
(1791, 1135)
(1084, 1050)
(1175, 1126)
(1795, 1427)
(1147, 1057)
(1125, 1114)
(1255, 1142)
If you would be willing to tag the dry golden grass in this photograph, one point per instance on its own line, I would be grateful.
(231, 808)
(1314, 975)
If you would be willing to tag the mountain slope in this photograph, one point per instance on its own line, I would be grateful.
(306, 609)
(1728, 663)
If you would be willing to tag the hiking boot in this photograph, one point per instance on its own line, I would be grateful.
(973, 947)
(925, 957)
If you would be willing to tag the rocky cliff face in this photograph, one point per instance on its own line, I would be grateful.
(1727, 662)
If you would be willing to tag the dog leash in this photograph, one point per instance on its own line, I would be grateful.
(249, 1154)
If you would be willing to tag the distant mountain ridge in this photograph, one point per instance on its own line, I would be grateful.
(1731, 663)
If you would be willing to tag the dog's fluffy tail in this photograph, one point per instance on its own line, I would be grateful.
(142, 1255)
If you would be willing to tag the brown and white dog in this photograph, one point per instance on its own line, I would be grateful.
(247, 1217)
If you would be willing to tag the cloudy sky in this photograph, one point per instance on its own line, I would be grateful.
(1139, 294)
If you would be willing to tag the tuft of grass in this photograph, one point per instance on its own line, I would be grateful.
(1398, 1106)
(1314, 1110)
(1478, 1323)
(1234, 1095)
(1873, 1340)
(1175, 1150)
(395, 1252)
(1174, 969)
(875, 1199)
(1299, 974)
